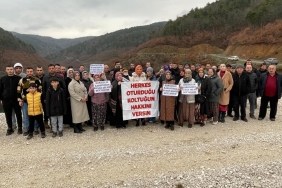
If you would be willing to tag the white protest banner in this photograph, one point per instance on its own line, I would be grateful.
(170, 90)
(189, 89)
(140, 99)
(96, 68)
(102, 87)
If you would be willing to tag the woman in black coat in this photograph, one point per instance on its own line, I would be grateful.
(205, 90)
(68, 117)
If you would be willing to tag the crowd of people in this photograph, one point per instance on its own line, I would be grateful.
(64, 96)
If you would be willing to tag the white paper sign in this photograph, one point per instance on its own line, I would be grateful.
(124, 79)
(189, 89)
(140, 99)
(96, 68)
(170, 90)
(102, 87)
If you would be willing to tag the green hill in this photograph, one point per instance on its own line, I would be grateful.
(9, 42)
(48, 45)
(125, 38)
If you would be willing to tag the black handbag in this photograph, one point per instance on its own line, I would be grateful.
(200, 98)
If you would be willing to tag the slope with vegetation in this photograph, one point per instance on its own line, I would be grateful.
(110, 45)
(48, 45)
(14, 50)
(230, 25)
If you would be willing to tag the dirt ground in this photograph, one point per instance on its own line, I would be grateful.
(231, 154)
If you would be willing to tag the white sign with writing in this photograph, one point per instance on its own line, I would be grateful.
(189, 89)
(140, 99)
(170, 90)
(96, 68)
(102, 87)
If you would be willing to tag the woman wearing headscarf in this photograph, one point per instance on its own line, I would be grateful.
(227, 81)
(116, 102)
(138, 76)
(99, 106)
(186, 105)
(217, 87)
(202, 109)
(87, 82)
(167, 103)
(78, 98)
(68, 117)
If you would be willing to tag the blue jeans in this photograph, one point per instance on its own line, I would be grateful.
(26, 118)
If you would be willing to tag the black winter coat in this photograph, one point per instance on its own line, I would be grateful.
(46, 83)
(8, 87)
(242, 84)
(55, 102)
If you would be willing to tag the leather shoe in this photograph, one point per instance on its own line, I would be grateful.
(235, 118)
(244, 119)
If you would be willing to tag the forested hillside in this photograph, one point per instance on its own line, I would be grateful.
(47, 45)
(9, 42)
(14, 50)
(111, 43)
(220, 24)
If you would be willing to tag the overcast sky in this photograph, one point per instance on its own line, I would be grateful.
(77, 18)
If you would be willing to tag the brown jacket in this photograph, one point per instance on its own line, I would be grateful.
(167, 105)
(227, 82)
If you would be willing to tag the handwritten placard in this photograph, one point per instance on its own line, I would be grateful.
(102, 87)
(96, 68)
(189, 89)
(170, 90)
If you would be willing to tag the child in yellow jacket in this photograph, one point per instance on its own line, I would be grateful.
(35, 110)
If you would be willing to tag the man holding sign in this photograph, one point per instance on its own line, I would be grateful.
(189, 89)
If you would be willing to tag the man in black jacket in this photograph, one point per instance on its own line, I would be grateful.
(240, 90)
(252, 97)
(270, 88)
(8, 98)
(46, 83)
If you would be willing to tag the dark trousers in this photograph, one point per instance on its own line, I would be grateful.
(39, 119)
(240, 102)
(44, 109)
(8, 107)
(230, 105)
(263, 106)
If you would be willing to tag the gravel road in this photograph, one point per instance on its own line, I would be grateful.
(233, 154)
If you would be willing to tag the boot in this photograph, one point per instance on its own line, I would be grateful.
(79, 126)
(219, 116)
(171, 127)
(75, 129)
(222, 117)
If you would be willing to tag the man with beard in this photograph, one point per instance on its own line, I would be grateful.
(9, 100)
(23, 88)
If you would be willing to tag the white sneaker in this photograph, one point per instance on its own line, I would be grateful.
(215, 122)
(209, 120)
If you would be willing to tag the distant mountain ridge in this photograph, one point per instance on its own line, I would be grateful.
(13, 50)
(9, 42)
(110, 44)
(45, 45)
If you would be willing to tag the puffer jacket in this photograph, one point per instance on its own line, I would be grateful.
(34, 106)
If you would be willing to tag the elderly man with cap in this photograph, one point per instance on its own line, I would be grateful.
(240, 90)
